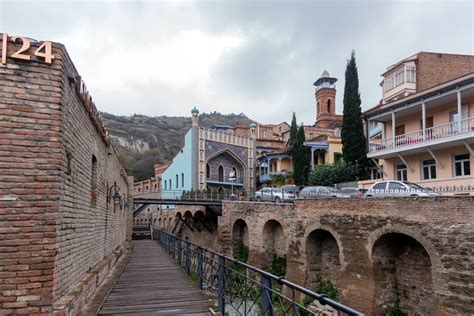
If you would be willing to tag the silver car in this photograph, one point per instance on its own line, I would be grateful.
(321, 191)
(274, 195)
(398, 188)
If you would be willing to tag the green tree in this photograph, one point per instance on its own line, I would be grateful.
(333, 174)
(300, 158)
(293, 132)
(352, 134)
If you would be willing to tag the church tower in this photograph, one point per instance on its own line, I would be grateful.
(326, 102)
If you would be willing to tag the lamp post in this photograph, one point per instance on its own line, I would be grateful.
(232, 178)
(115, 197)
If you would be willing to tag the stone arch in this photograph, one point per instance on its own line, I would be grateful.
(403, 275)
(170, 224)
(240, 235)
(323, 259)
(229, 159)
(274, 243)
(220, 172)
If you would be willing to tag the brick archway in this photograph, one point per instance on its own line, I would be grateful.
(240, 235)
(402, 275)
(274, 243)
(323, 264)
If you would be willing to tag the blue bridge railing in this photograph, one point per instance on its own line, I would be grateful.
(242, 289)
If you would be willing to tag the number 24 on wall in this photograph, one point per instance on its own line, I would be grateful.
(44, 51)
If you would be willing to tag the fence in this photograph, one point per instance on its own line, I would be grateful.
(242, 289)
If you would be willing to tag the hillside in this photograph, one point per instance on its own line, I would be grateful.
(142, 141)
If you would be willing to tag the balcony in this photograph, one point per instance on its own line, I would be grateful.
(439, 136)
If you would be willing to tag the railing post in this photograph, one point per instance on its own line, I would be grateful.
(187, 260)
(179, 253)
(199, 266)
(267, 306)
(221, 285)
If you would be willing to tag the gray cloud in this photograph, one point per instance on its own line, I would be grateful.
(259, 58)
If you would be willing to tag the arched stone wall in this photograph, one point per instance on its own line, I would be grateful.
(273, 242)
(322, 259)
(402, 275)
(240, 235)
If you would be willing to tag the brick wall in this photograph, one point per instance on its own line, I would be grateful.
(56, 245)
(372, 250)
(434, 69)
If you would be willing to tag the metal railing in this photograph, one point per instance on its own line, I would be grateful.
(242, 289)
(421, 136)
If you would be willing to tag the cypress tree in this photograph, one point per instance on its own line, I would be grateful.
(300, 158)
(352, 133)
(293, 132)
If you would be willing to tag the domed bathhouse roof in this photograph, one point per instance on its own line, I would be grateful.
(253, 125)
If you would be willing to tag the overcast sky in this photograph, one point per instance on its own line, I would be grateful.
(256, 57)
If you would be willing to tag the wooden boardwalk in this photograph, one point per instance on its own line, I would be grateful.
(152, 284)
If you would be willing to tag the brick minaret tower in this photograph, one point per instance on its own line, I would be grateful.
(326, 102)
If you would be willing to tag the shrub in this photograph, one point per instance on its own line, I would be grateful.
(332, 174)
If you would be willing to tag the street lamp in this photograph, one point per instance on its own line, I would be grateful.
(116, 196)
(232, 178)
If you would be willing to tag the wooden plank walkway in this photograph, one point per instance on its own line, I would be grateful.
(152, 284)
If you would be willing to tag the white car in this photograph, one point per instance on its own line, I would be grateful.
(274, 195)
(321, 191)
(398, 188)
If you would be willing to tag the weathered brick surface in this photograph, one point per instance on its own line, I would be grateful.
(373, 250)
(434, 69)
(52, 238)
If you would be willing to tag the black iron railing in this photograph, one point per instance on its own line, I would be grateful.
(242, 289)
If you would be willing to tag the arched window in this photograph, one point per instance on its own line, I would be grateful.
(329, 105)
(221, 174)
(182, 180)
(177, 181)
(234, 171)
(208, 171)
(171, 187)
(166, 185)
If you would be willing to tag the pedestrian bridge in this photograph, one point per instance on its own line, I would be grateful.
(171, 276)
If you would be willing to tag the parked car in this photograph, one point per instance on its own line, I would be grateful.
(398, 188)
(323, 191)
(353, 191)
(274, 195)
(292, 188)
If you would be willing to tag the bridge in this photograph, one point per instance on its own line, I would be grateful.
(165, 270)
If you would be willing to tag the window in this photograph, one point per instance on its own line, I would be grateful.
(411, 74)
(401, 171)
(208, 171)
(221, 174)
(94, 189)
(264, 134)
(462, 165)
(166, 185)
(429, 122)
(337, 157)
(429, 169)
(177, 182)
(400, 130)
(380, 186)
(375, 173)
(182, 180)
(329, 105)
(396, 186)
(170, 185)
